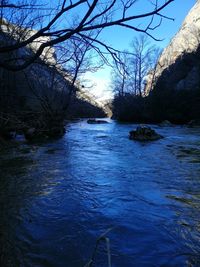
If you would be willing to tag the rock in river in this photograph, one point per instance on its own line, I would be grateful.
(144, 133)
(94, 121)
(194, 123)
(165, 123)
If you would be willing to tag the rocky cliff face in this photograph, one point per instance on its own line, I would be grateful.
(10, 34)
(178, 65)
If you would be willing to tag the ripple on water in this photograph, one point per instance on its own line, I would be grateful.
(57, 198)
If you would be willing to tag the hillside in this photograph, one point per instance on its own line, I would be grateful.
(176, 92)
(178, 66)
(39, 96)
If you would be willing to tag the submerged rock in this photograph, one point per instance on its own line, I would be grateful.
(30, 133)
(194, 123)
(165, 123)
(144, 133)
(94, 121)
(33, 134)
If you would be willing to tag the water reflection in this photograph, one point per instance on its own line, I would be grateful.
(58, 197)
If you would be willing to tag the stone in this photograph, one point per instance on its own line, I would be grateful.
(56, 131)
(194, 123)
(30, 133)
(144, 133)
(94, 121)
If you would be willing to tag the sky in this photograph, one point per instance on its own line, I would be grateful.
(121, 39)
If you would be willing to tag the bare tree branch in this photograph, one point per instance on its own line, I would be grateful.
(97, 16)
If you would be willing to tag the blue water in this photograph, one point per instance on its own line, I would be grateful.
(58, 197)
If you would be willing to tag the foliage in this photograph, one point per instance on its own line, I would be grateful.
(129, 108)
(176, 106)
(80, 108)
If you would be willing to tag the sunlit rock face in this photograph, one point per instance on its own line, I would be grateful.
(185, 41)
(13, 33)
(178, 65)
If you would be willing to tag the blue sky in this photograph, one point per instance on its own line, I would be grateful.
(121, 38)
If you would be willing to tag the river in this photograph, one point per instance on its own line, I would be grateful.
(59, 196)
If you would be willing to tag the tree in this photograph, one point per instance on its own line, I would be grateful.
(59, 22)
(138, 66)
(143, 60)
(120, 75)
(74, 59)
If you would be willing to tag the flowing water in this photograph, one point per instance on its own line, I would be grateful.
(58, 197)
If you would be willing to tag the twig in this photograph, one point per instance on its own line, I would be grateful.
(107, 241)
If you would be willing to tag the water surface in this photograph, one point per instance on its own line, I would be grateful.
(58, 197)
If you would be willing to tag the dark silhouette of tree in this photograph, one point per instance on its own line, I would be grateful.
(120, 75)
(137, 66)
(143, 60)
(66, 20)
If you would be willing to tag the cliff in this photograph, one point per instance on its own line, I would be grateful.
(178, 65)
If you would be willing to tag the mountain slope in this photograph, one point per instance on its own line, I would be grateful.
(177, 65)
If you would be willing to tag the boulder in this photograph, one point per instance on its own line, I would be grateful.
(144, 133)
(30, 133)
(94, 121)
